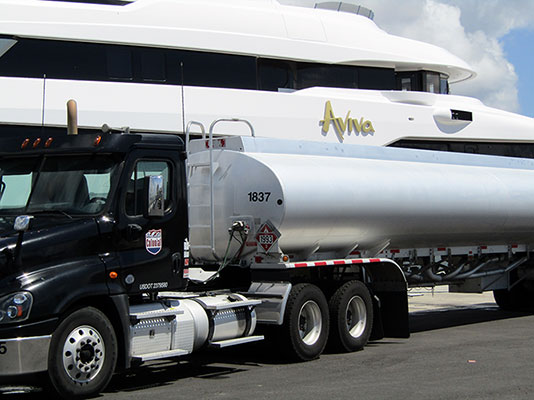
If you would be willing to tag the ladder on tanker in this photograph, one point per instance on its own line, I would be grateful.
(204, 188)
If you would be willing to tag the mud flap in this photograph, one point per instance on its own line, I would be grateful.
(393, 313)
(377, 332)
(390, 304)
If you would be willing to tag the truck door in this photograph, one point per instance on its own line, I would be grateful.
(150, 248)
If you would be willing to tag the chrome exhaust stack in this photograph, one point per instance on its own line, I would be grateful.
(72, 117)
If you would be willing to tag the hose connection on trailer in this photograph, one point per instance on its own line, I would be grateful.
(239, 232)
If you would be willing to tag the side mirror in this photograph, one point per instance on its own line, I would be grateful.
(2, 184)
(22, 223)
(155, 200)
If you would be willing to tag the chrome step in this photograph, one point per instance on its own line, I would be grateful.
(233, 342)
(161, 354)
(155, 314)
(228, 306)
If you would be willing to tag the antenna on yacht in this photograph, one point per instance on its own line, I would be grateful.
(183, 97)
(43, 104)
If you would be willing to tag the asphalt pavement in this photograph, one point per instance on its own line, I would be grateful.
(462, 346)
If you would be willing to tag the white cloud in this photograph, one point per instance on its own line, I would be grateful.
(468, 29)
(496, 17)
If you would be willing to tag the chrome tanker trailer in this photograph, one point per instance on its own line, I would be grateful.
(445, 218)
(327, 200)
(221, 241)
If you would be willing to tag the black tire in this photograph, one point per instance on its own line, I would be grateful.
(517, 299)
(83, 354)
(351, 317)
(504, 299)
(305, 328)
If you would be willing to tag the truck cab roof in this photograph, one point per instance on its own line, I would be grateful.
(22, 140)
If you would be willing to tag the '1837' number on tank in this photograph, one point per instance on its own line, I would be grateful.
(258, 197)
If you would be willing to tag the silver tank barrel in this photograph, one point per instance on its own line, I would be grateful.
(333, 201)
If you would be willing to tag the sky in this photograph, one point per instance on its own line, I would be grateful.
(496, 37)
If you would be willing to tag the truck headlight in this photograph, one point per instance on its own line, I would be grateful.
(16, 307)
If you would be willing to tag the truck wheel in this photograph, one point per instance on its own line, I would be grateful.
(517, 299)
(305, 328)
(83, 354)
(351, 317)
(504, 299)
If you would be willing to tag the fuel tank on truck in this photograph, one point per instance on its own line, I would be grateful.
(332, 199)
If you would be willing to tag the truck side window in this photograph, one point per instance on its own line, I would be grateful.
(135, 202)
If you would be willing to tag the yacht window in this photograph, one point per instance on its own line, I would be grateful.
(60, 60)
(119, 62)
(443, 84)
(217, 70)
(406, 84)
(409, 81)
(376, 78)
(518, 150)
(431, 82)
(275, 75)
(422, 81)
(153, 65)
(309, 75)
(104, 62)
(5, 45)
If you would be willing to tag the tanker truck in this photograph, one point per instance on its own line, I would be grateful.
(119, 248)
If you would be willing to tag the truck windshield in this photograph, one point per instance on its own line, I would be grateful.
(70, 185)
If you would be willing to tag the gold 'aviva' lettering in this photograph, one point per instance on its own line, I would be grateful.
(347, 125)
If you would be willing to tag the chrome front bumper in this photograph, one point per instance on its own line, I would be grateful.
(24, 355)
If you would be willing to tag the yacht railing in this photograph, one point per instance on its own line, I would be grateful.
(346, 7)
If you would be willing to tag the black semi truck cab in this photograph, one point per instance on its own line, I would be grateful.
(76, 229)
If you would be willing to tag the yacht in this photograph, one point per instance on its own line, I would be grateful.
(323, 74)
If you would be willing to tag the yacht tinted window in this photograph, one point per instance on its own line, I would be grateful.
(443, 84)
(217, 70)
(5, 45)
(309, 75)
(275, 75)
(119, 63)
(431, 82)
(422, 81)
(519, 150)
(409, 81)
(376, 78)
(153, 65)
(103, 62)
(63, 60)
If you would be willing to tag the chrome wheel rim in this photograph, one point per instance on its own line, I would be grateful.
(356, 316)
(83, 354)
(310, 322)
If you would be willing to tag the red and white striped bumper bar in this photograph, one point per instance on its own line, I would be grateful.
(323, 263)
